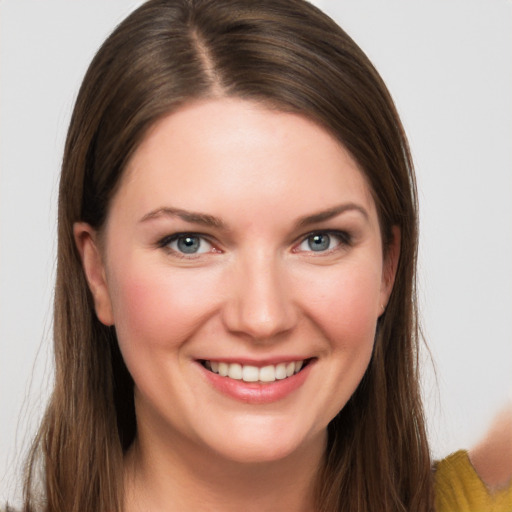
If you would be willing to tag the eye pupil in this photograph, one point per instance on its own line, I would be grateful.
(188, 244)
(319, 242)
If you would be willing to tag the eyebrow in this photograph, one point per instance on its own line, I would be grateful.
(331, 213)
(207, 220)
(193, 217)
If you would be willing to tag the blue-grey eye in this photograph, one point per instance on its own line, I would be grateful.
(189, 244)
(320, 242)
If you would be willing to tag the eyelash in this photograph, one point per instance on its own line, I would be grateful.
(165, 242)
(345, 240)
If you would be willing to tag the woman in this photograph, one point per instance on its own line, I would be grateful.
(173, 260)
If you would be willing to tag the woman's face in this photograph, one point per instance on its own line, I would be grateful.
(243, 241)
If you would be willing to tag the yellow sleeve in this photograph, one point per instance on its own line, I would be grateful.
(460, 489)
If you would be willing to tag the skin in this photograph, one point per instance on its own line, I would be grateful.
(255, 290)
(492, 456)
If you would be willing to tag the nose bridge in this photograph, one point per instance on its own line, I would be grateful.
(260, 304)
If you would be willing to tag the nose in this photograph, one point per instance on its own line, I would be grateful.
(259, 304)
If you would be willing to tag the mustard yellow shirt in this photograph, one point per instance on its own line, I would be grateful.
(460, 489)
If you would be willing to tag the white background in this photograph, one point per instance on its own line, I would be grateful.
(448, 64)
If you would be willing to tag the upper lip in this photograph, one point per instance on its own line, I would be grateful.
(256, 362)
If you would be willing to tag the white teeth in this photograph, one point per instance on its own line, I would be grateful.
(281, 371)
(235, 371)
(223, 369)
(268, 373)
(248, 373)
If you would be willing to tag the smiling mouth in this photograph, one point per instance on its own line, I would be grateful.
(250, 373)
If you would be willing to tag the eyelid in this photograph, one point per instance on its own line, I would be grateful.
(346, 240)
(164, 243)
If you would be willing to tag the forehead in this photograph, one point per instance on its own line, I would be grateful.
(243, 153)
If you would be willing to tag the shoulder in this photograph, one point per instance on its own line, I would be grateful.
(459, 487)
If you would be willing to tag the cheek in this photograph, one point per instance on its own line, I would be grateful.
(346, 305)
(157, 306)
(343, 311)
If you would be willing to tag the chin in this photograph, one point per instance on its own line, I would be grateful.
(264, 445)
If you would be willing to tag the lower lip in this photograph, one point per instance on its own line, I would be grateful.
(255, 392)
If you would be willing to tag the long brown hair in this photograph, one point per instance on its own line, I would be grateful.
(289, 56)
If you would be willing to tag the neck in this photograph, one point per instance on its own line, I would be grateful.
(182, 476)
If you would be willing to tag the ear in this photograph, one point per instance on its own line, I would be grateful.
(86, 240)
(391, 258)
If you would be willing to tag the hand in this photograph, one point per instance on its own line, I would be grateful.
(492, 456)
